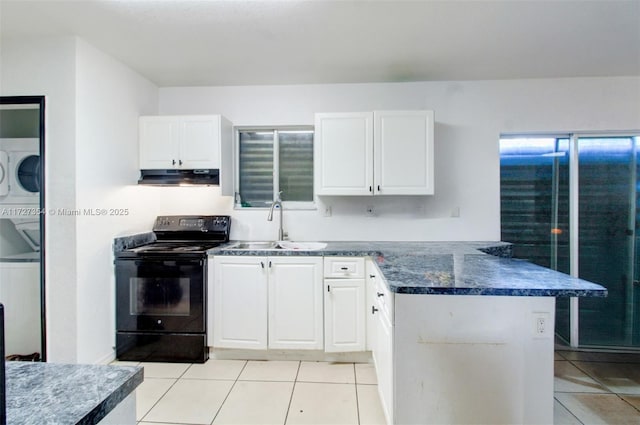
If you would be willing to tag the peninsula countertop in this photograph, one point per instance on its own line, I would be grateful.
(448, 268)
(50, 393)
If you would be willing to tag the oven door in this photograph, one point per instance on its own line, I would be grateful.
(160, 295)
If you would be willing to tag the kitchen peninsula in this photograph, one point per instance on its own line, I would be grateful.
(459, 331)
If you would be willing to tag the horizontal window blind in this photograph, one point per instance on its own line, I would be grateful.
(275, 161)
(256, 168)
(296, 166)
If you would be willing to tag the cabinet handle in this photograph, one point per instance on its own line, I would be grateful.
(173, 162)
(378, 188)
(344, 268)
(380, 294)
(269, 264)
(328, 288)
(262, 264)
(372, 276)
(374, 309)
(370, 189)
(180, 163)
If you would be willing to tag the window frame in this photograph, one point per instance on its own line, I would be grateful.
(276, 129)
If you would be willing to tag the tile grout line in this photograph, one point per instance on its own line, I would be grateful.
(610, 391)
(568, 410)
(246, 362)
(606, 387)
(164, 393)
(355, 383)
(295, 381)
(625, 401)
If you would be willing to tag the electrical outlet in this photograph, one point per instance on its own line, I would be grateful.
(327, 211)
(370, 211)
(542, 325)
(455, 212)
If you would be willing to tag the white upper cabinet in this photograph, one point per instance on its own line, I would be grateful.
(183, 142)
(159, 148)
(374, 153)
(403, 152)
(344, 153)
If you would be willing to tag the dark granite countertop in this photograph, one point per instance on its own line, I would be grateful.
(449, 268)
(49, 393)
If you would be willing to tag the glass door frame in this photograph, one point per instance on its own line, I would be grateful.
(5, 102)
(574, 198)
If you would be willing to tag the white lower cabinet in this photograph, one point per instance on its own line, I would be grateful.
(267, 302)
(344, 317)
(371, 276)
(295, 303)
(240, 298)
(382, 347)
(344, 304)
(383, 358)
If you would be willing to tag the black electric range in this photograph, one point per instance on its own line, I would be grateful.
(161, 290)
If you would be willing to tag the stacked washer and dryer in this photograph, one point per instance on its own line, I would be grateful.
(20, 243)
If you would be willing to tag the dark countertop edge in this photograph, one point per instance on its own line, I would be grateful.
(108, 404)
(515, 292)
(220, 251)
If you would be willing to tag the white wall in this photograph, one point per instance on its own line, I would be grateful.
(47, 67)
(109, 99)
(470, 116)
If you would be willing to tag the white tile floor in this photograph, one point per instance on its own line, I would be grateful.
(258, 392)
(590, 388)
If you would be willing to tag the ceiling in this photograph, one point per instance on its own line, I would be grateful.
(212, 43)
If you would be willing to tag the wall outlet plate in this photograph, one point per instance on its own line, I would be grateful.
(327, 210)
(542, 325)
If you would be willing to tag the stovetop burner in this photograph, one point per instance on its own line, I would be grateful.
(183, 236)
(169, 247)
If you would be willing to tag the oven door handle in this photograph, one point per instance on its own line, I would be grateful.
(170, 263)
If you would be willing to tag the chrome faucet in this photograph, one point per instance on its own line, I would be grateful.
(277, 202)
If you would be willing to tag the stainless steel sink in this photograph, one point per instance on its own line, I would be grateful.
(268, 245)
(254, 246)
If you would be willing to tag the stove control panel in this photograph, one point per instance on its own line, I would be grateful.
(177, 224)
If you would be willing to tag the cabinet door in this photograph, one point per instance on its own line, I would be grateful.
(371, 306)
(240, 302)
(383, 358)
(158, 140)
(403, 150)
(200, 142)
(343, 153)
(295, 303)
(344, 318)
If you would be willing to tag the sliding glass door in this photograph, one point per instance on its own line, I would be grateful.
(607, 169)
(537, 217)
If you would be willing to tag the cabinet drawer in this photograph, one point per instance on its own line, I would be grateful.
(337, 267)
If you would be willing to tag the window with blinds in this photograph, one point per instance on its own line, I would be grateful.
(273, 161)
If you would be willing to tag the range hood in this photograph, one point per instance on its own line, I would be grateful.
(209, 177)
